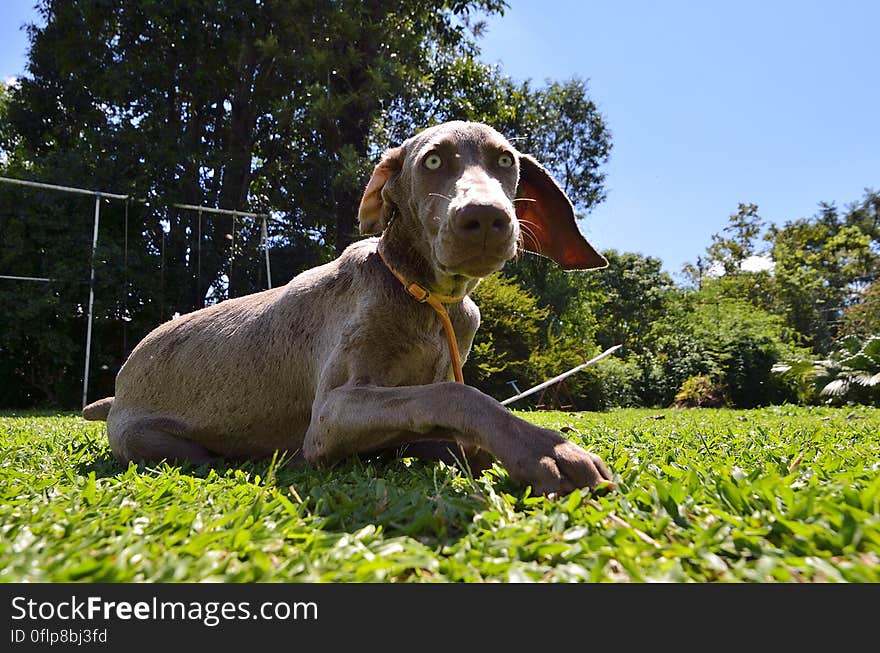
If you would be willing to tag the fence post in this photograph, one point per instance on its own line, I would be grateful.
(265, 235)
(91, 301)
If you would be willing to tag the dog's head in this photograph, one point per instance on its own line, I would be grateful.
(476, 199)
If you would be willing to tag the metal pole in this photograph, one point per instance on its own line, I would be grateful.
(208, 209)
(199, 262)
(66, 189)
(266, 251)
(91, 301)
(231, 261)
(116, 196)
(7, 276)
(555, 379)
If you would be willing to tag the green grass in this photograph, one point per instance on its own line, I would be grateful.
(778, 494)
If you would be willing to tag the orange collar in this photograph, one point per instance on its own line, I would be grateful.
(435, 301)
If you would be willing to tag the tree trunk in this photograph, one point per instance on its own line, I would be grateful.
(237, 168)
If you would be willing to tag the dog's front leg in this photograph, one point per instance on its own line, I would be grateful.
(353, 419)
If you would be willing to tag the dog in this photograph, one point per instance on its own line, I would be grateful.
(353, 356)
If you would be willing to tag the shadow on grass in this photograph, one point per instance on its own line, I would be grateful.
(103, 465)
(431, 502)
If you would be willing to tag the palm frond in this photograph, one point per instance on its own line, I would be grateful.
(836, 388)
(867, 380)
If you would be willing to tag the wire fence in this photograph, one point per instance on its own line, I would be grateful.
(99, 196)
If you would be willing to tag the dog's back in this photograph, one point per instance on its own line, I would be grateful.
(242, 371)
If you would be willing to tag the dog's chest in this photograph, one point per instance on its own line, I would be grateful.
(423, 359)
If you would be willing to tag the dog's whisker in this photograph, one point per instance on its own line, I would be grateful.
(526, 230)
(445, 197)
(524, 199)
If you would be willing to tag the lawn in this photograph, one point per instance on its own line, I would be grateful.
(776, 494)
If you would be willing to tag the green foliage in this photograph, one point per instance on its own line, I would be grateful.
(742, 344)
(729, 340)
(862, 318)
(818, 261)
(775, 495)
(700, 392)
(626, 298)
(611, 383)
(557, 355)
(590, 312)
(510, 332)
(521, 341)
(849, 374)
(670, 335)
(821, 268)
(755, 288)
(7, 140)
(675, 357)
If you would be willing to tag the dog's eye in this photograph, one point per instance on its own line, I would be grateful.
(433, 161)
(505, 160)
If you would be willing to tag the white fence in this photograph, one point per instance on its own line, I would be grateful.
(99, 195)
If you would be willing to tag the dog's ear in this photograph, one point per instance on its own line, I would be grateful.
(547, 220)
(375, 209)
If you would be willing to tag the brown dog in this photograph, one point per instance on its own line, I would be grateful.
(342, 360)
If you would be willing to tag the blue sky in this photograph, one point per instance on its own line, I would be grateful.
(13, 40)
(709, 103)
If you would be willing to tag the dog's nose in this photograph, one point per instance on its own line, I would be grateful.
(482, 222)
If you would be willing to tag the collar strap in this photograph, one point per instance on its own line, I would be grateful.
(435, 301)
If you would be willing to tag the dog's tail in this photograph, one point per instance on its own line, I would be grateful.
(98, 410)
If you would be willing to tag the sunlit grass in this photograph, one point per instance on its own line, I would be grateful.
(778, 494)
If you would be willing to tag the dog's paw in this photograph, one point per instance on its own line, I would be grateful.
(553, 465)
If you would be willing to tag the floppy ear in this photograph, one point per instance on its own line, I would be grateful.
(375, 210)
(547, 220)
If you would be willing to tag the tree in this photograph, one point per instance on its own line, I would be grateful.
(277, 107)
(7, 140)
(757, 288)
(237, 104)
(820, 264)
(626, 298)
(558, 124)
(188, 101)
(729, 341)
(862, 318)
(729, 252)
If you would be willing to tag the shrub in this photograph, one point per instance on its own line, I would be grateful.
(851, 374)
(863, 318)
(728, 340)
(510, 328)
(676, 357)
(700, 392)
(610, 383)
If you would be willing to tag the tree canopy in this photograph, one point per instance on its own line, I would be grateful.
(274, 107)
(282, 108)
